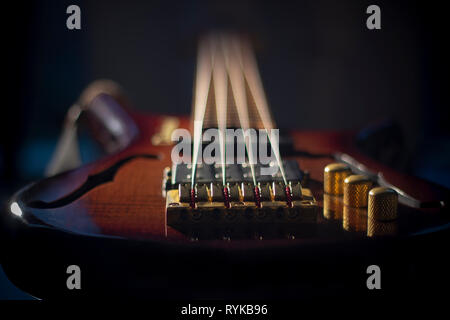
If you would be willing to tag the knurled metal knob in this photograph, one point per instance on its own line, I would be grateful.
(382, 204)
(379, 228)
(333, 207)
(355, 219)
(333, 178)
(356, 190)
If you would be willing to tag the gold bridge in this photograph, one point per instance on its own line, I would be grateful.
(212, 220)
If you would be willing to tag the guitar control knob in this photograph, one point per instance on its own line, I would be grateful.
(356, 190)
(333, 207)
(382, 204)
(355, 219)
(333, 178)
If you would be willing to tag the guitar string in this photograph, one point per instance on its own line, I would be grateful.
(202, 86)
(220, 79)
(237, 82)
(254, 82)
(242, 70)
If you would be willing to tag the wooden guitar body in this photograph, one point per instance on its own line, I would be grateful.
(109, 218)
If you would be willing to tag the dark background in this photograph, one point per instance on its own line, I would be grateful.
(321, 67)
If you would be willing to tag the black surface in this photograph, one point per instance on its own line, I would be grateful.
(411, 266)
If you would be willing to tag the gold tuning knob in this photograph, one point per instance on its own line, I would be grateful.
(333, 207)
(356, 190)
(354, 219)
(382, 204)
(333, 178)
(380, 229)
(382, 212)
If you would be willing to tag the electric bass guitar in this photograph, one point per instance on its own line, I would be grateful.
(186, 207)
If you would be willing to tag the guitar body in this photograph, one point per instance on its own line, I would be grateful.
(109, 218)
(229, 233)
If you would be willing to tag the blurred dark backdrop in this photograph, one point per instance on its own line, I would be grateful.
(322, 69)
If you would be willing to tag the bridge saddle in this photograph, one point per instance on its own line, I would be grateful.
(242, 216)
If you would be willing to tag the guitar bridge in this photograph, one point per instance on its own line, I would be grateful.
(242, 217)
